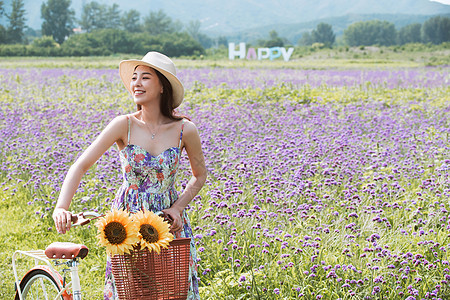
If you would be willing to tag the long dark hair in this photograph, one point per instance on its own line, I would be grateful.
(167, 108)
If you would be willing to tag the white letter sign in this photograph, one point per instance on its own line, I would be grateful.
(232, 52)
(260, 53)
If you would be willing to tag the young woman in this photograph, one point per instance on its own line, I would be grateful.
(150, 142)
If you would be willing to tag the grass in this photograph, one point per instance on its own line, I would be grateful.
(315, 191)
(21, 230)
(409, 56)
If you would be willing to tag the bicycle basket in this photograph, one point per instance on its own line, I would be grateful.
(148, 275)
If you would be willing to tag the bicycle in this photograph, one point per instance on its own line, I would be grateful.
(43, 281)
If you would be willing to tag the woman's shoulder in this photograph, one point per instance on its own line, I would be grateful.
(189, 127)
(120, 120)
(127, 118)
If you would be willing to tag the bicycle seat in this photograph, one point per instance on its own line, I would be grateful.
(66, 250)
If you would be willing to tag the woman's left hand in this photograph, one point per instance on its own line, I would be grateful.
(175, 214)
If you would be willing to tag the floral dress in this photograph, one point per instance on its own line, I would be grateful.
(149, 184)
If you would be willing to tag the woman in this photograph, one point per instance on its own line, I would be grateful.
(150, 143)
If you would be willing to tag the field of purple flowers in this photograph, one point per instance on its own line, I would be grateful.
(323, 184)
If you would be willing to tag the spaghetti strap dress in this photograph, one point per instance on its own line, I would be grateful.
(148, 183)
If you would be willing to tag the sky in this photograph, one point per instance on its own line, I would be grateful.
(442, 1)
(34, 20)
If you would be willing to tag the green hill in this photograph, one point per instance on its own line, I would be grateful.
(294, 31)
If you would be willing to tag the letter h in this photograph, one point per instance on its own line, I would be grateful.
(232, 52)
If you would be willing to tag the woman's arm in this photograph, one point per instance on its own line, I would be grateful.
(192, 144)
(114, 132)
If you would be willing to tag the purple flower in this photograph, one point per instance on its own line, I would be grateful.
(376, 289)
(275, 164)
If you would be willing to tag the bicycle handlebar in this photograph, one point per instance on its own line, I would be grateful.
(84, 218)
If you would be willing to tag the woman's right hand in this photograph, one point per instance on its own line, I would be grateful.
(63, 220)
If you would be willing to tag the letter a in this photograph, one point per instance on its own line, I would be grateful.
(251, 54)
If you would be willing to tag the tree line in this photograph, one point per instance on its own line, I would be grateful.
(435, 30)
(104, 29)
(101, 30)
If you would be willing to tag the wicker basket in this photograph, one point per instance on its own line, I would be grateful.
(149, 275)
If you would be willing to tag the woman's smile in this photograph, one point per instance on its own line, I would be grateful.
(138, 92)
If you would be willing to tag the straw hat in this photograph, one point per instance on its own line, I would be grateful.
(158, 62)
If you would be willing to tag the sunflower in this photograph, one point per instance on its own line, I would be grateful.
(153, 231)
(117, 232)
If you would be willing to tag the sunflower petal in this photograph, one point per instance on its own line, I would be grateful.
(162, 228)
(121, 217)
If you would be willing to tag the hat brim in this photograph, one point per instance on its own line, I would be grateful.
(126, 70)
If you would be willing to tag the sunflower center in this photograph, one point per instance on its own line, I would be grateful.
(115, 233)
(149, 233)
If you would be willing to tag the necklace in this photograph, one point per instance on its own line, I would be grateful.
(151, 132)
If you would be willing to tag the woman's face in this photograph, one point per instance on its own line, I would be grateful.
(145, 85)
